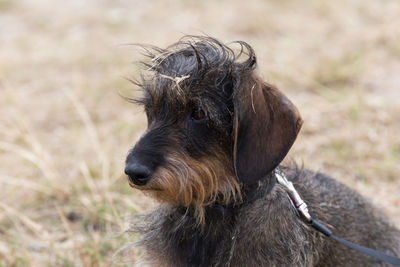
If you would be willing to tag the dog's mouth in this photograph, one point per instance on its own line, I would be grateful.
(137, 181)
(143, 186)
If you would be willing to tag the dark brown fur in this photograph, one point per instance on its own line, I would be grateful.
(216, 131)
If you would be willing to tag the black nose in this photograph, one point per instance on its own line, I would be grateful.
(138, 173)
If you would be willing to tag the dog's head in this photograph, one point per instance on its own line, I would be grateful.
(213, 124)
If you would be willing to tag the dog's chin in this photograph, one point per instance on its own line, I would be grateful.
(168, 190)
(156, 188)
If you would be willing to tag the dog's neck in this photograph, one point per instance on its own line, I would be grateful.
(174, 233)
(251, 192)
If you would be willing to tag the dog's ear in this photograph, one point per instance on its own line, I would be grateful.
(266, 125)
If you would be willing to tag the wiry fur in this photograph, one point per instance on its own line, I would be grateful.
(213, 172)
(181, 75)
(268, 232)
(201, 183)
(196, 174)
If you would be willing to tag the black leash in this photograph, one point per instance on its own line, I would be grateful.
(302, 209)
(373, 253)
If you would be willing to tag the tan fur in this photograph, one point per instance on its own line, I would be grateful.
(188, 182)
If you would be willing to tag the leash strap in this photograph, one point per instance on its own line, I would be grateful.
(370, 252)
(302, 210)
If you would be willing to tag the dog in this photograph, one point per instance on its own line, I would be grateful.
(217, 133)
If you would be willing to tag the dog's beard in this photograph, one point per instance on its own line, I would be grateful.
(194, 183)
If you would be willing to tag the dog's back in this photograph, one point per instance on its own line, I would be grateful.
(277, 236)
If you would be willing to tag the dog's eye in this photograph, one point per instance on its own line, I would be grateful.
(198, 114)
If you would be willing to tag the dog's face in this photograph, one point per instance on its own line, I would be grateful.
(212, 125)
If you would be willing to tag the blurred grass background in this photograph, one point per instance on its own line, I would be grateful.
(65, 131)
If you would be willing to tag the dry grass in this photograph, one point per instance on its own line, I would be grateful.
(64, 130)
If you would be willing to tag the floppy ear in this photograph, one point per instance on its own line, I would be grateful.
(266, 125)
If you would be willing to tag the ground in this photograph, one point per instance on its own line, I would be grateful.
(65, 129)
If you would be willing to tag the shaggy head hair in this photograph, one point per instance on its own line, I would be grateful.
(198, 95)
